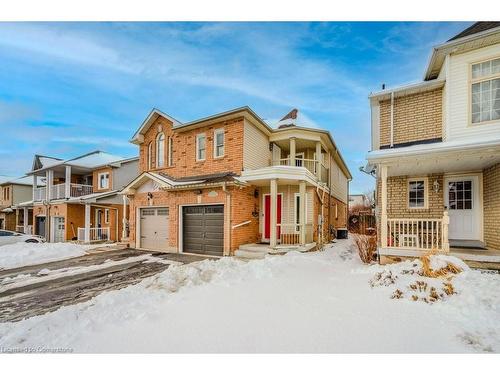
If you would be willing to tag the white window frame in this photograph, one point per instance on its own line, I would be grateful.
(426, 192)
(295, 218)
(99, 180)
(160, 156)
(479, 80)
(216, 132)
(198, 137)
(106, 215)
(170, 151)
(150, 155)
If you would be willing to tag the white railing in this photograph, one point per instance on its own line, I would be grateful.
(39, 194)
(95, 234)
(20, 229)
(58, 191)
(419, 234)
(289, 234)
(309, 164)
(77, 190)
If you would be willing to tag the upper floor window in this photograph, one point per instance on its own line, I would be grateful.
(103, 179)
(160, 150)
(6, 193)
(150, 155)
(170, 151)
(201, 145)
(219, 143)
(486, 91)
(417, 193)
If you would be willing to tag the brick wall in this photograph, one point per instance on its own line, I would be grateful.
(416, 117)
(95, 179)
(491, 197)
(184, 149)
(242, 204)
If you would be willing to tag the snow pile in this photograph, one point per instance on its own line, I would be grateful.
(24, 254)
(313, 302)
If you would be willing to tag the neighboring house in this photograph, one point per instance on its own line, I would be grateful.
(80, 200)
(436, 152)
(15, 192)
(359, 200)
(212, 185)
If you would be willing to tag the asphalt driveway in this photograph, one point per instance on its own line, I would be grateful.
(77, 280)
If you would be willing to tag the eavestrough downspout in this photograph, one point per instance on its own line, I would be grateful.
(392, 119)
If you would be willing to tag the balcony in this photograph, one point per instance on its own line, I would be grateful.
(59, 191)
(310, 164)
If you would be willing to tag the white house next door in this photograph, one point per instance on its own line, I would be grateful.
(464, 207)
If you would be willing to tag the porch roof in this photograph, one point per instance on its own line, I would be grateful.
(450, 156)
(285, 174)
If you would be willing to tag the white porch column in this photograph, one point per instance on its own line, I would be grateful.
(87, 224)
(274, 211)
(25, 220)
(17, 219)
(302, 212)
(49, 176)
(318, 160)
(124, 219)
(35, 186)
(383, 224)
(446, 223)
(67, 182)
(292, 151)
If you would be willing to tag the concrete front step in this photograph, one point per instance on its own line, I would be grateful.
(245, 254)
(255, 248)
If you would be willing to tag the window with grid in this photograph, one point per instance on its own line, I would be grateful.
(460, 195)
(160, 150)
(219, 143)
(200, 147)
(416, 194)
(486, 91)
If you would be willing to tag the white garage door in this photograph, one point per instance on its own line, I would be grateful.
(154, 228)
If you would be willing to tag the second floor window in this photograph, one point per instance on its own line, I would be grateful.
(150, 155)
(486, 91)
(104, 180)
(160, 150)
(219, 143)
(201, 145)
(170, 151)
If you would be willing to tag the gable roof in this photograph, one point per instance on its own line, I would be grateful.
(475, 28)
(24, 180)
(42, 161)
(149, 120)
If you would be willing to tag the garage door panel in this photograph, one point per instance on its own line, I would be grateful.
(203, 229)
(154, 228)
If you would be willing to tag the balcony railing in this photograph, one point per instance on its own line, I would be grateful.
(418, 234)
(59, 191)
(95, 234)
(39, 194)
(289, 234)
(20, 229)
(309, 164)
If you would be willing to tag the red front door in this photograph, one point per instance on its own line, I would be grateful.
(267, 216)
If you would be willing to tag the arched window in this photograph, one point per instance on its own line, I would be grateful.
(150, 155)
(160, 150)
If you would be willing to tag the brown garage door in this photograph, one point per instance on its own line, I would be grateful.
(203, 229)
(154, 228)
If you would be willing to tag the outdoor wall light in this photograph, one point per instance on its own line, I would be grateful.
(435, 185)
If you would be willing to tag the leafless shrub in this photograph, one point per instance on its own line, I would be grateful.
(367, 247)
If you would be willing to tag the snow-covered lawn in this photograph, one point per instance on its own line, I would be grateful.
(25, 254)
(317, 302)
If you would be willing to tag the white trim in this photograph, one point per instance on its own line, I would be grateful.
(170, 157)
(157, 144)
(198, 136)
(264, 215)
(295, 195)
(180, 244)
(216, 132)
(150, 155)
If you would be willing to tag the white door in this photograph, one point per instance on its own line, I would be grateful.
(59, 229)
(462, 200)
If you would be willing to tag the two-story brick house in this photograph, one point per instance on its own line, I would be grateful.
(80, 199)
(215, 184)
(436, 152)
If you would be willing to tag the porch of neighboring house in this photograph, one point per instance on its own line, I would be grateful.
(98, 223)
(445, 202)
(24, 219)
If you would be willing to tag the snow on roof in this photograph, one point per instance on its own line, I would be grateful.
(94, 159)
(296, 118)
(24, 180)
(5, 179)
(47, 161)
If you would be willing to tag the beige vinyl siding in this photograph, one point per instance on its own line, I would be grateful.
(338, 182)
(256, 152)
(458, 89)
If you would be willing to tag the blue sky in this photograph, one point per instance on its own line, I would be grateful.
(70, 88)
